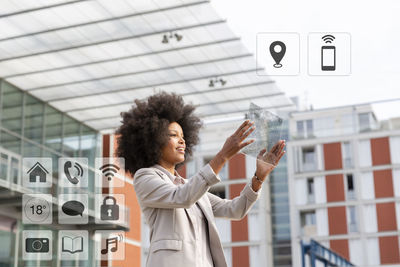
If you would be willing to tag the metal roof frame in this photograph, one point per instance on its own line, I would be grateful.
(185, 94)
(102, 20)
(155, 85)
(139, 72)
(207, 104)
(39, 8)
(113, 40)
(124, 57)
(93, 75)
(239, 99)
(245, 110)
(219, 113)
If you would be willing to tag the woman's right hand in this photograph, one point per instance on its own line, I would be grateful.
(233, 145)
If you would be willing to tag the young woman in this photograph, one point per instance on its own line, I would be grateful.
(156, 136)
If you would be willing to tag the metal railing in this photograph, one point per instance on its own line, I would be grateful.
(318, 252)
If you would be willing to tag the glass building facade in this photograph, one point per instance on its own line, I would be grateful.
(31, 128)
(280, 216)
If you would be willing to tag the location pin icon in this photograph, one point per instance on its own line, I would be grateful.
(277, 56)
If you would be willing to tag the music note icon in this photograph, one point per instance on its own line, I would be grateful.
(110, 241)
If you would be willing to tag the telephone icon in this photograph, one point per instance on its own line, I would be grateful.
(67, 172)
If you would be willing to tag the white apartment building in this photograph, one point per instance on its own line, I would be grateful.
(344, 184)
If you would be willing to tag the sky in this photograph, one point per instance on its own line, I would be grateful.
(374, 27)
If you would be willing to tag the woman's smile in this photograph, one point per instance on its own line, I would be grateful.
(181, 149)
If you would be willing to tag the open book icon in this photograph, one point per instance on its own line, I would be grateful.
(72, 245)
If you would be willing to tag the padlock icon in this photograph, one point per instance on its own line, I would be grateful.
(109, 212)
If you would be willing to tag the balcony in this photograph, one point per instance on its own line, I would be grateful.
(311, 199)
(353, 228)
(348, 162)
(309, 166)
(309, 230)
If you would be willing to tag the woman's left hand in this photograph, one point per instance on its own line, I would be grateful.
(266, 162)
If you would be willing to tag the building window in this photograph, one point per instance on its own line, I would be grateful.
(350, 186)
(352, 219)
(310, 128)
(305, 129)
(309, 159)
(347, 123)
(363, 122)
(190, 168)
(300, 129)
(347, 155)
(3, 166)
(223, 173)
(310, 190)
(308, 218)
(308, 223)
(218, 191)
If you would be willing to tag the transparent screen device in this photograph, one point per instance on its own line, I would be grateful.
(267, 133)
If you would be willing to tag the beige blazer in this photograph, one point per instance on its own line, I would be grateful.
(165, 207)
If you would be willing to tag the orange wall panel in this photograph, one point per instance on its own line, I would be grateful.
(239, 229)
(240, 257)
(132, 253)
(134, 210)
(235, 189)
(337, 220)
(341, 247)
(106, 145)
(132, 257)
(237, 167)
(334, 188)
(383, 183)
(386, 217)
(131, 202)
(333, 156)
(239, 232)
(389, 249)
(380, 151)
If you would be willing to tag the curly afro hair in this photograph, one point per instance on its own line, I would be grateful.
(144, 129)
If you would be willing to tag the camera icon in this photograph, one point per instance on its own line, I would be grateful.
(37, 245)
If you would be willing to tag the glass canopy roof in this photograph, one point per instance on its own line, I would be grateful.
(91, 59)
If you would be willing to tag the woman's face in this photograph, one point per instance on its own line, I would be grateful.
(174, 151)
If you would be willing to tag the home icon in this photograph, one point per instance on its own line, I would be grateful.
(37, 172)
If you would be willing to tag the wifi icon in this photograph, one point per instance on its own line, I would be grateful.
(109, 170)
(120, 237)
(328, 39)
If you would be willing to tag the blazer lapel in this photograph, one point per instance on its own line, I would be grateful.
(203, 207)
(215, 243)
(163, 173)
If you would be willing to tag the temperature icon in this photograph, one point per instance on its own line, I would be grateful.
(37, 209)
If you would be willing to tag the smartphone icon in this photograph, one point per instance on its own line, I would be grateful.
(328, 57)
